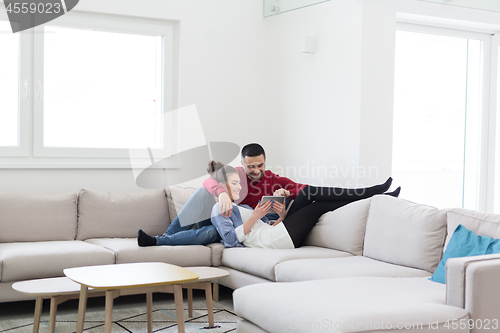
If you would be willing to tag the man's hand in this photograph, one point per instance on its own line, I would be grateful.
(281, 193)
(261, 210)
(225, 205)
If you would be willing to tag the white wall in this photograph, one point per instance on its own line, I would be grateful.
(318, 133)
(338, 101)
(322, 117)
(379, 24)
(342, 96)
(377, 92)
(222, 70)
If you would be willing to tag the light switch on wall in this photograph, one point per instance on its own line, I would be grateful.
(309, 44)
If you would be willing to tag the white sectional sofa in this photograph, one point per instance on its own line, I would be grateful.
(375, 277)
(363, 268)
(42, 234)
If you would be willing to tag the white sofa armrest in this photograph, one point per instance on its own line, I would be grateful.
(456, 275)
(482, 294)
(473, 284)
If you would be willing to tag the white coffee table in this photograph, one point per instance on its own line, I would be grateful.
(207, 276)
(62, 289)
(128, 279)
(59, 290)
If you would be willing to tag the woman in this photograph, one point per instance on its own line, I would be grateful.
(247, 227)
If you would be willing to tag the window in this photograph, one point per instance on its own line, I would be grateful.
(96, 86)
(9, 84)
(14, 90)
(111, 95)
(440, 115)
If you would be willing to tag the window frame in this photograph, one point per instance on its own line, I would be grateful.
(108, 23)
(489, 186)
(24, 95)
(486, 149)
(31, 153)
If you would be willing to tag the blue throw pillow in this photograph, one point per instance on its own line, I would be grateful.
(464, 243)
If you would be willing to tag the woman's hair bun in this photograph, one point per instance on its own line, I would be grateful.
(219, 171)
(213, 166)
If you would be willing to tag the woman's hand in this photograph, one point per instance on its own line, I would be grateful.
(281, 193)
(261, 210)
(225, 204)
(280, 209)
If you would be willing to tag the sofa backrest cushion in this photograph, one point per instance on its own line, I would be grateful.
(342, 229)
(121, 214)
(405, 233)
(177, 196)
(35, 217)
(482, 224)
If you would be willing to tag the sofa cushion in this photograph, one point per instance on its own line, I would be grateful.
(35, 217)
(23, 261)
(359, 304)
(405, 233)
(261, 262)
(9, 294)
(333, 268)
(127, 251)
(177, 196)
(342, 229)
(482, 224)
(217, 249)
(121, 214)
(237, 279)
(244, 326)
